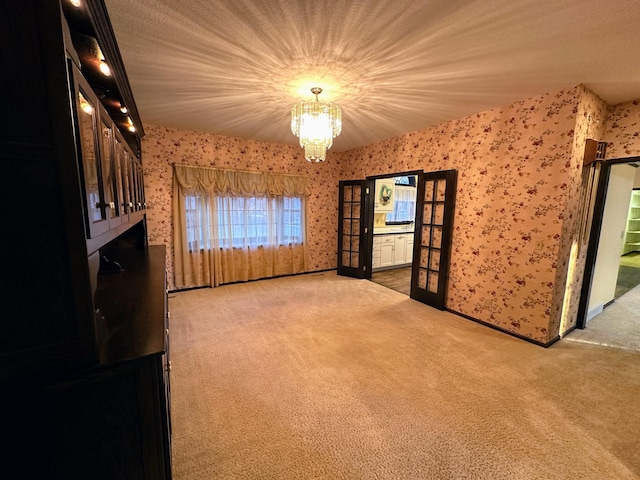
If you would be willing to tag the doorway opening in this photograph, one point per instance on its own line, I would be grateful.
(394, 220)
(611, 285)
(430, 243)
(629, 266)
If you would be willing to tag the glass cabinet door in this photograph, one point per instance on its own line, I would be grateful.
(118, 176)
(86, 108)
(130, 181)
(134, 184)
(141, 187)
(109, 170)
(142, 196)
(126, 184)
(141, 204)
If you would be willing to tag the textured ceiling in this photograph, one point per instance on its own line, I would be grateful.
(236, 67)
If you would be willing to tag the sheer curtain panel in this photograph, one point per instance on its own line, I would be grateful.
(232, 226)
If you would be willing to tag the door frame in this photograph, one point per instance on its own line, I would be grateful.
(594, 235)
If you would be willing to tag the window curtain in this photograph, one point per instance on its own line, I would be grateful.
(207, 255)
(404, 205)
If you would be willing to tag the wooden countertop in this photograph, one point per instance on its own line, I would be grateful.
(132, 304)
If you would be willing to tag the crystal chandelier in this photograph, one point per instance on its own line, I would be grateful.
(317, 124)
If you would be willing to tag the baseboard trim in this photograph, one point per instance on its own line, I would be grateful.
(568, 332)
(177, 290)
(503, 330)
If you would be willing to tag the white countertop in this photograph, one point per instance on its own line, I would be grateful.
(392, 230)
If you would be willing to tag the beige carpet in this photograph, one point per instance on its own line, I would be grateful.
(326, 377)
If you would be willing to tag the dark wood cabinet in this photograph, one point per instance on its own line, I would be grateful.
(84, 368)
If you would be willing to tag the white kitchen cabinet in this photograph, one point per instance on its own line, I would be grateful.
(387, 254)
(391, 250)
(408, 256)
(400, 248)
(376, 253)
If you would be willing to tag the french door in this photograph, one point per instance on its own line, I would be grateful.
(352, 246)
(432, 237)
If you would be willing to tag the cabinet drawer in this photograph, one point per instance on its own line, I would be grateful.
(383, 239)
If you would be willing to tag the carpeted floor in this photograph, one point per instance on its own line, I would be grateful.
(617, 326)
(326, 377)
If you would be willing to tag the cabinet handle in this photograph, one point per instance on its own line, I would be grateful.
(112, 205)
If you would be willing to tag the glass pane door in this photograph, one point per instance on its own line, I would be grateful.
(432, 237)
(351, 228)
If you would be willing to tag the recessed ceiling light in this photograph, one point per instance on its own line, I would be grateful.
(104, 68)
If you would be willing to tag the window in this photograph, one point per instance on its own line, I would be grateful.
(409, 180)
(244, 222)
(404, 205)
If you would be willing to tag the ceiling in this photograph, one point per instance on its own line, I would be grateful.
(236, 67)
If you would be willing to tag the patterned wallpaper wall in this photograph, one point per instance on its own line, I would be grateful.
(164, 146)
(515, 176)
(590, 121)
(515, 227)
(623, 130)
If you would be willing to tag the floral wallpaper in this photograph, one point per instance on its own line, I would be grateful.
(623, 130)
(164, 146)
(590, 120)
(515, 250)
(517, 176)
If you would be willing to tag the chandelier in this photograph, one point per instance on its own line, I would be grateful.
(317, 124)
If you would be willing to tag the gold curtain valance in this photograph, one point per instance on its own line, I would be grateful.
(213, 181)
